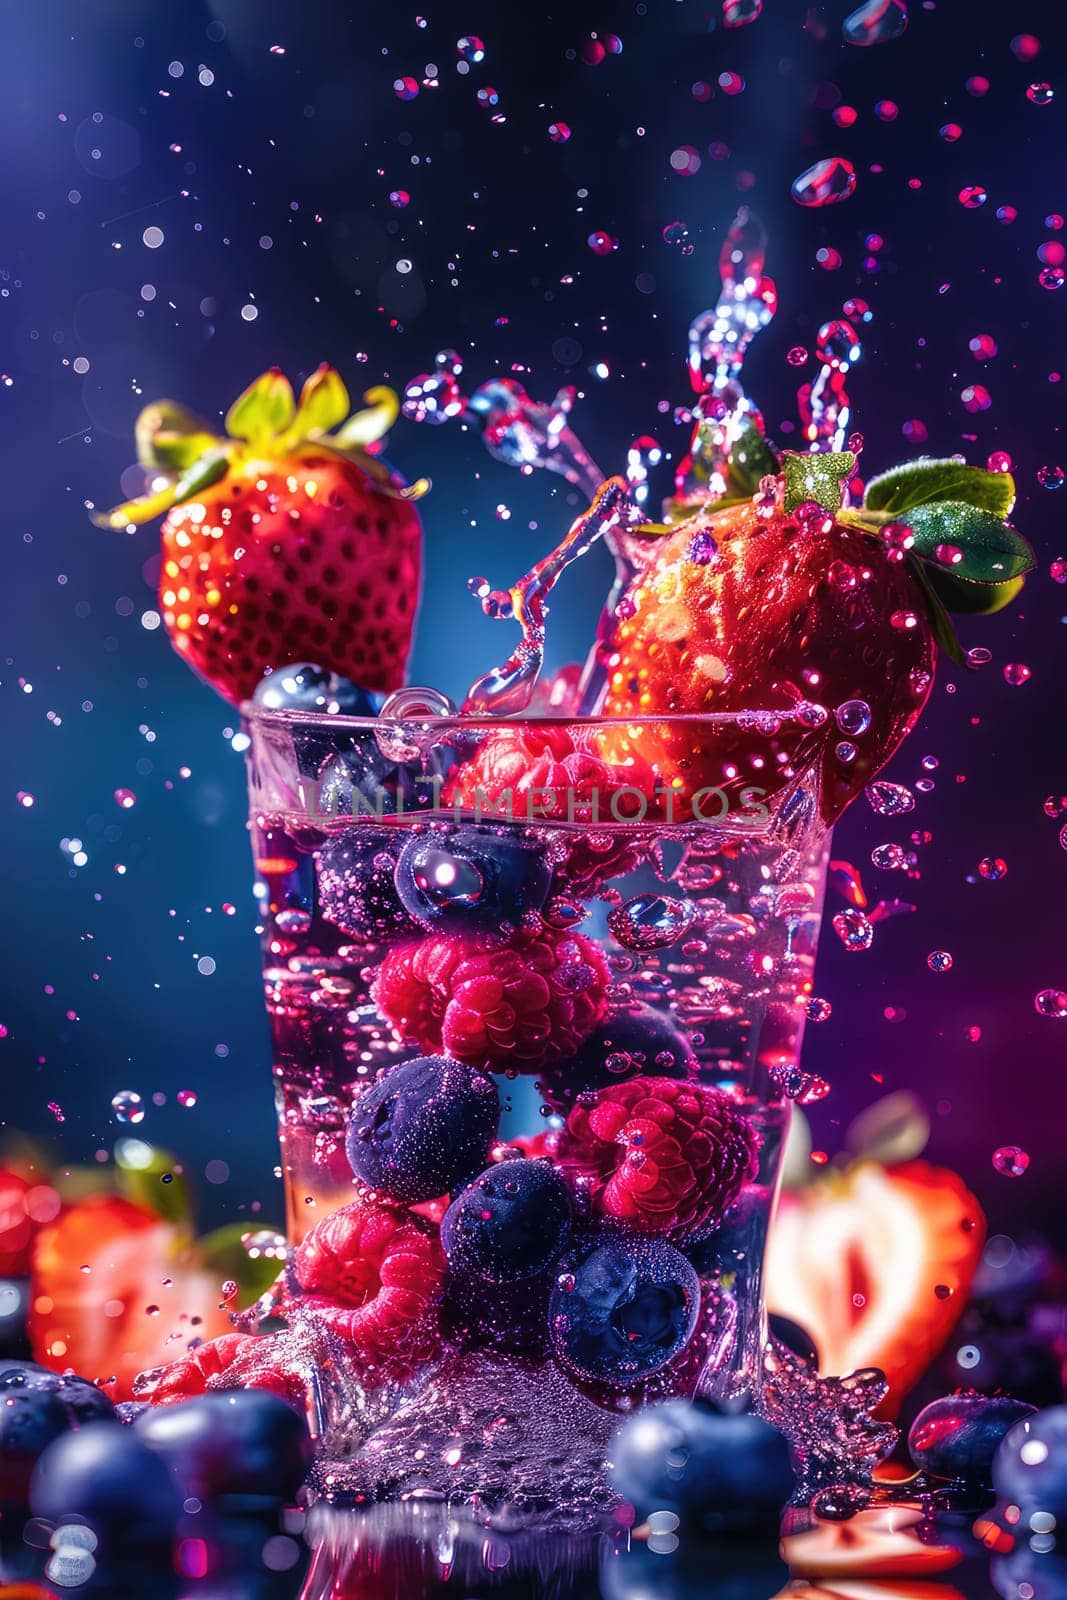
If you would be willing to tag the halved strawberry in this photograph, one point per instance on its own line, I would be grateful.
(283, 541)
(875, 1263)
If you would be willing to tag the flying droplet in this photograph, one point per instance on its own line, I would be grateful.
(889, 799)
(877, 22)
(127, 1107)
(827, 183)
(1051, 1003)
(1040, 94)
(939, 961)
(992, 868)
(853, 929)
(1010, 1160)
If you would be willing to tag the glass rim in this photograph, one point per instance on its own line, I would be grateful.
(284, 716)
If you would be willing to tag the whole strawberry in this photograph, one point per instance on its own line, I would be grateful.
(811, 623)
(282, 541)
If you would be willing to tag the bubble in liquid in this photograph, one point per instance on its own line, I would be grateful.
(187, 1098)
(1052, 277)
(1051, 1003)
(488, 96)
(939, 961)
(992, 868)
(853, 929)
(1017, 673)
(651, 921)
(845, 751)
(818, 1009)
(471, 48)
(1040, 94)
(797, 356)
(559, 132)
(889, 799)
(1010, 1160)
(600, 243)
(876, 22)
(826, 183)
(972, 195)
(405, 88)
(293, 920)
(127, 1106)
(853, 717)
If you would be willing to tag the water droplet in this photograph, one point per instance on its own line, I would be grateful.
(972, 195)
(853, 929)
(1052, 277)
(1010, 1160)
(949, 555)
(736, 13)
(889, 858)
(125, 798)
(876, 22)
(488, 96)
(559, 132)
(1040, 94)
(651, 921)
(563, 912)
(405, 88)
(818, 1009)
(976, 397)
(471, 48)
(826, 183)
(992, 868)
(676, 234)
(601, 244)
(1051, 1003)
(187, 1098)
(797, 356)
(853, 717)
(950, 132)
(1017, 673)
(939, 961)
(127, 1106)
(889, 799)
(1051, 477)
(845, 751)
(979, 656)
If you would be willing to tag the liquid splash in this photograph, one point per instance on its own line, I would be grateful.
(718, 343)
(876, 22)
(827, 183)
(824, 405)
(507, 689)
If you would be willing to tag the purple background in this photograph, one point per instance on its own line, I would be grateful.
(100, 970)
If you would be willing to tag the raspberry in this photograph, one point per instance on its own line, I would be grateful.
(515, 1007)
(550, 778)
(660, 1155)
(232, 1361)
(375, 1275)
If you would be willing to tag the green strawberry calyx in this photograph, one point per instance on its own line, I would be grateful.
(184, 456)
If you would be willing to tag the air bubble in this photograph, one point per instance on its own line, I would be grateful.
(127, 1107)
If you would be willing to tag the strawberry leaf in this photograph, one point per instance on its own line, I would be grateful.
(750, 460)
(966, 596)
(170, 437)
(367, 427)
(817, 476)
(141, 1170)
(223, 1254)
(264, 410)
(941, 623)
(212, 466)
(918, 483)
(323, 404)
(992, 551)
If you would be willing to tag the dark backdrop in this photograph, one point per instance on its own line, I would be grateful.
(263, 137)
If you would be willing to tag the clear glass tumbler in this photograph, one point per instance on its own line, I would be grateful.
(627, 956)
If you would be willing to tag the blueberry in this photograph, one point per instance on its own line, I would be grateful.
(356, 889)
(957, 1437)
(106, 1476)
(1030, 1467)
(363, 782)
(83, 1401)
(643, 1040)
(246, 1442)
(729, 1472)
(423, 1128)
(29, 1420)
(625, 1310)
(509, 1224)
(471, 877)
(302, 686)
